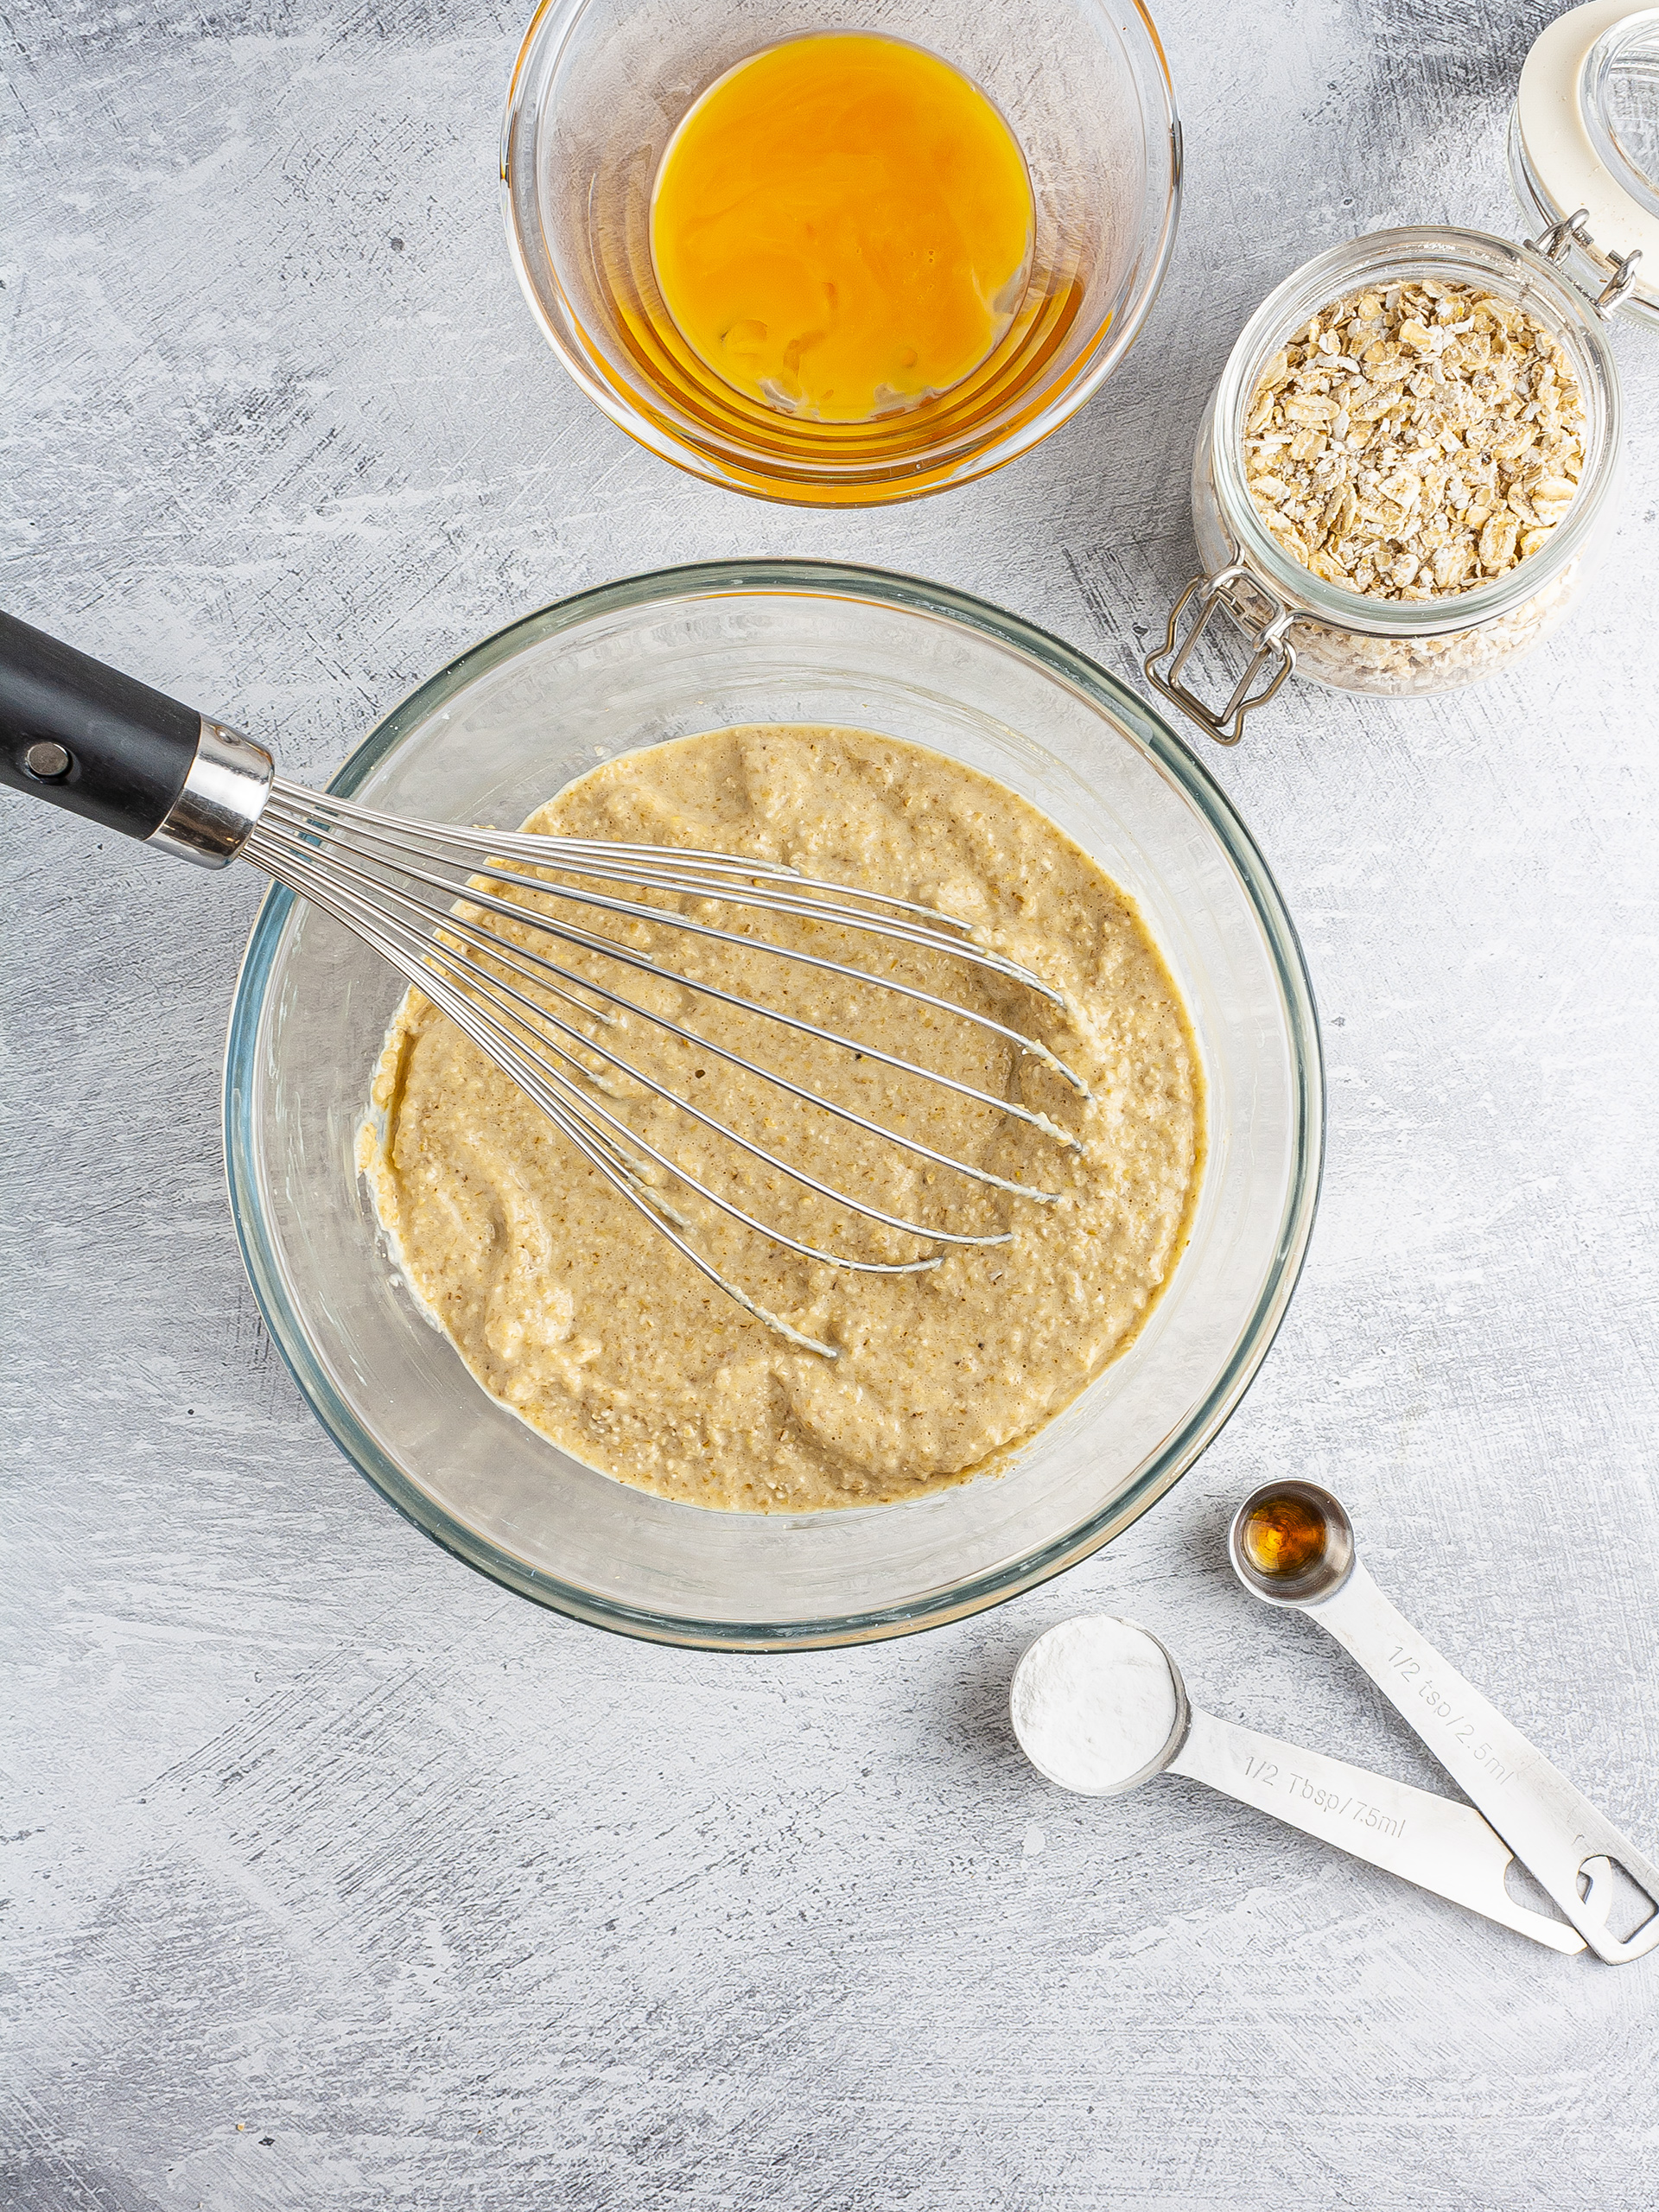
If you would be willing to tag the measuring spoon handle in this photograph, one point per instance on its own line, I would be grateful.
(1550, 1825)
(1433, 1842)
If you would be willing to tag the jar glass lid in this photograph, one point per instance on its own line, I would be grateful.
(1585, 149)
(1619, 94)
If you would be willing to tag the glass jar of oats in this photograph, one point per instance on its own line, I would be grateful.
(1410, 466)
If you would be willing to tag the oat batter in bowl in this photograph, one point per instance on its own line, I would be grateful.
(572, 1310)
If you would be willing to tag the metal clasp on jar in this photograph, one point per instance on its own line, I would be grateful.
(1266, 625)
(1554, 245)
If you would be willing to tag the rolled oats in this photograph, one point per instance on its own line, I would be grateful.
(1413, 443)
(1399, 667)
(1396, 667)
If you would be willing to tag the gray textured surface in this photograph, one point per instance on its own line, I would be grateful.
(336, 1878)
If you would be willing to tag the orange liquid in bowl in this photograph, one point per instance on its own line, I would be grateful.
(842, 227)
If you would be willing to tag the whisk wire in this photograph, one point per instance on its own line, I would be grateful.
(490, 942)
(376, 875)
(975, 955)
(672, 865)
(495, 1042)
(571, 933)
(490, 947)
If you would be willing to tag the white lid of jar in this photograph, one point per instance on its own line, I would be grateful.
(1574, 95)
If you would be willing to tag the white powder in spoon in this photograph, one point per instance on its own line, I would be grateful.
(1094, 1701)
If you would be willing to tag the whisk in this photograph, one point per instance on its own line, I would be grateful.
(87, 737)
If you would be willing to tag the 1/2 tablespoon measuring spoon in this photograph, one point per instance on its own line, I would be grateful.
(1292, 1544)
(1073, 1673)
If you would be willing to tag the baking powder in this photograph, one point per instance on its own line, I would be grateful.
(1094, 1703)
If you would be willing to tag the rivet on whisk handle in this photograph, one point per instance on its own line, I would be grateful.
(49, 763)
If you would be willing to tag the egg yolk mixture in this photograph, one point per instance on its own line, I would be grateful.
(841, 226)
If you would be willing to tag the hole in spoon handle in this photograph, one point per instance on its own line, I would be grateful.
(1547, 1822)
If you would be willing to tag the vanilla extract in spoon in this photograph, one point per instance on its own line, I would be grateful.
(1293, 1545)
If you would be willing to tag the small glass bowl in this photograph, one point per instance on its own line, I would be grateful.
(703, 648)
(1295, 619)
(599, 88)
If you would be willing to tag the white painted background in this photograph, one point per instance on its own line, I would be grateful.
(336, 1878)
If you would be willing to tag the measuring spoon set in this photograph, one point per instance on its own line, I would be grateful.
(1292, 1545)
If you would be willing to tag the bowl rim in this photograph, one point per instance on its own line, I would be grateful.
(1141, 726)
(552, 20)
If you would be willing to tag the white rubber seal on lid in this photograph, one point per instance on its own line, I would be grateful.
(1550, 110)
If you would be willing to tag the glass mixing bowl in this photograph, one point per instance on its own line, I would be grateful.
(701, 648)
(598, 90)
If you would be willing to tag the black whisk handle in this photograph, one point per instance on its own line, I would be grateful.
(85, 737)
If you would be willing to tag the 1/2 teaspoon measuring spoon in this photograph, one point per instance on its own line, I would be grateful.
(1068, 1697)
(1292, 1544)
